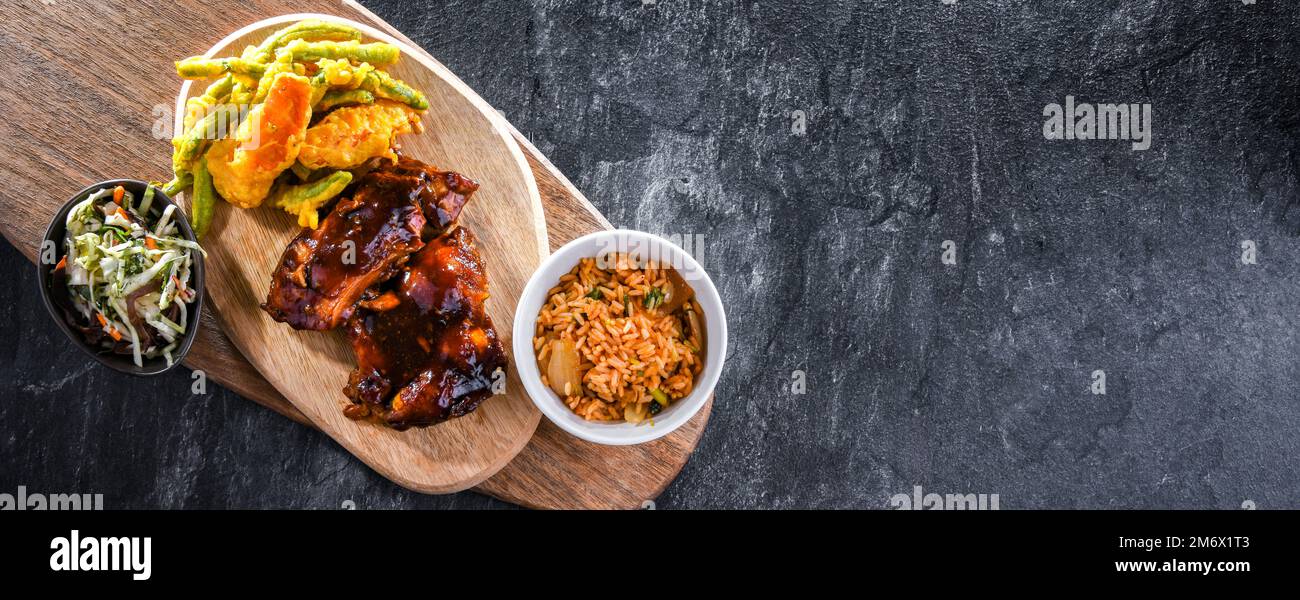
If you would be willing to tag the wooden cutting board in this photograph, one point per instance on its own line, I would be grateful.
(312, 368)
(74, 120)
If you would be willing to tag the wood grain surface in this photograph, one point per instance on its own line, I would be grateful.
(87, 112)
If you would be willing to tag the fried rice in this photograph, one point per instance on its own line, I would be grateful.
(620, 343)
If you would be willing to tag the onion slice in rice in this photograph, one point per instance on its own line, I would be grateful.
(563, 369)
(634, 413)
(697, 329)
(677, 294)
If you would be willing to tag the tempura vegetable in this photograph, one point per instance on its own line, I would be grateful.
(203, 201)
(178, 183)
(191, 144)
(352, 135)
(382, 85)
(198, 67)
(283, 64)
(312, 30)
(199, 106)
(301, 171)
(336, 98)
(244, 167)
(375, 53)
(338, 73)
(241, 162)
(305, 200)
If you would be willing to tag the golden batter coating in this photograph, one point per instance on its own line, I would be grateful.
(267, 143)
(352, 135)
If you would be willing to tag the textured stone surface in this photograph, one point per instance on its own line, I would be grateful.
(923, 125)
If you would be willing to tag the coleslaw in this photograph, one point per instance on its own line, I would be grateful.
(128, 279)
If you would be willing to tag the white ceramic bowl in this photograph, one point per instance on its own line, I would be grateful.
(548, 276)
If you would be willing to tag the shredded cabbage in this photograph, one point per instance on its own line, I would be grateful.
(124, 276)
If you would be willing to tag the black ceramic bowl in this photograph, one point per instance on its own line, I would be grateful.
(56, 296)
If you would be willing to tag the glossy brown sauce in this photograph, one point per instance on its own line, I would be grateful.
(435, 354)
(324, 271)
(390, 262)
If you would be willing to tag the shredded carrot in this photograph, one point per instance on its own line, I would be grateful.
(150, 244)
(112, 331)
(176, 282)
(122, 213)
(118, 193)
(63, 262)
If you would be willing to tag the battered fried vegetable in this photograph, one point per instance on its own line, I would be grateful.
(267, 142)
(179, 182)
(301, 171)
(336, 98)
(342, 74)
(319, 86)
(383, 85)
(337, 75)
(375, 53)
(305, 200)
(283, 64)
(198, 106)
(203, 199)
(311, 30)
(219, 88)
(333, 73)
(352, 135)
(190, 144)
(199, 67)
(242, 93)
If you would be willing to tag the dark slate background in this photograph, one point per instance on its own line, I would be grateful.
(924, 125)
